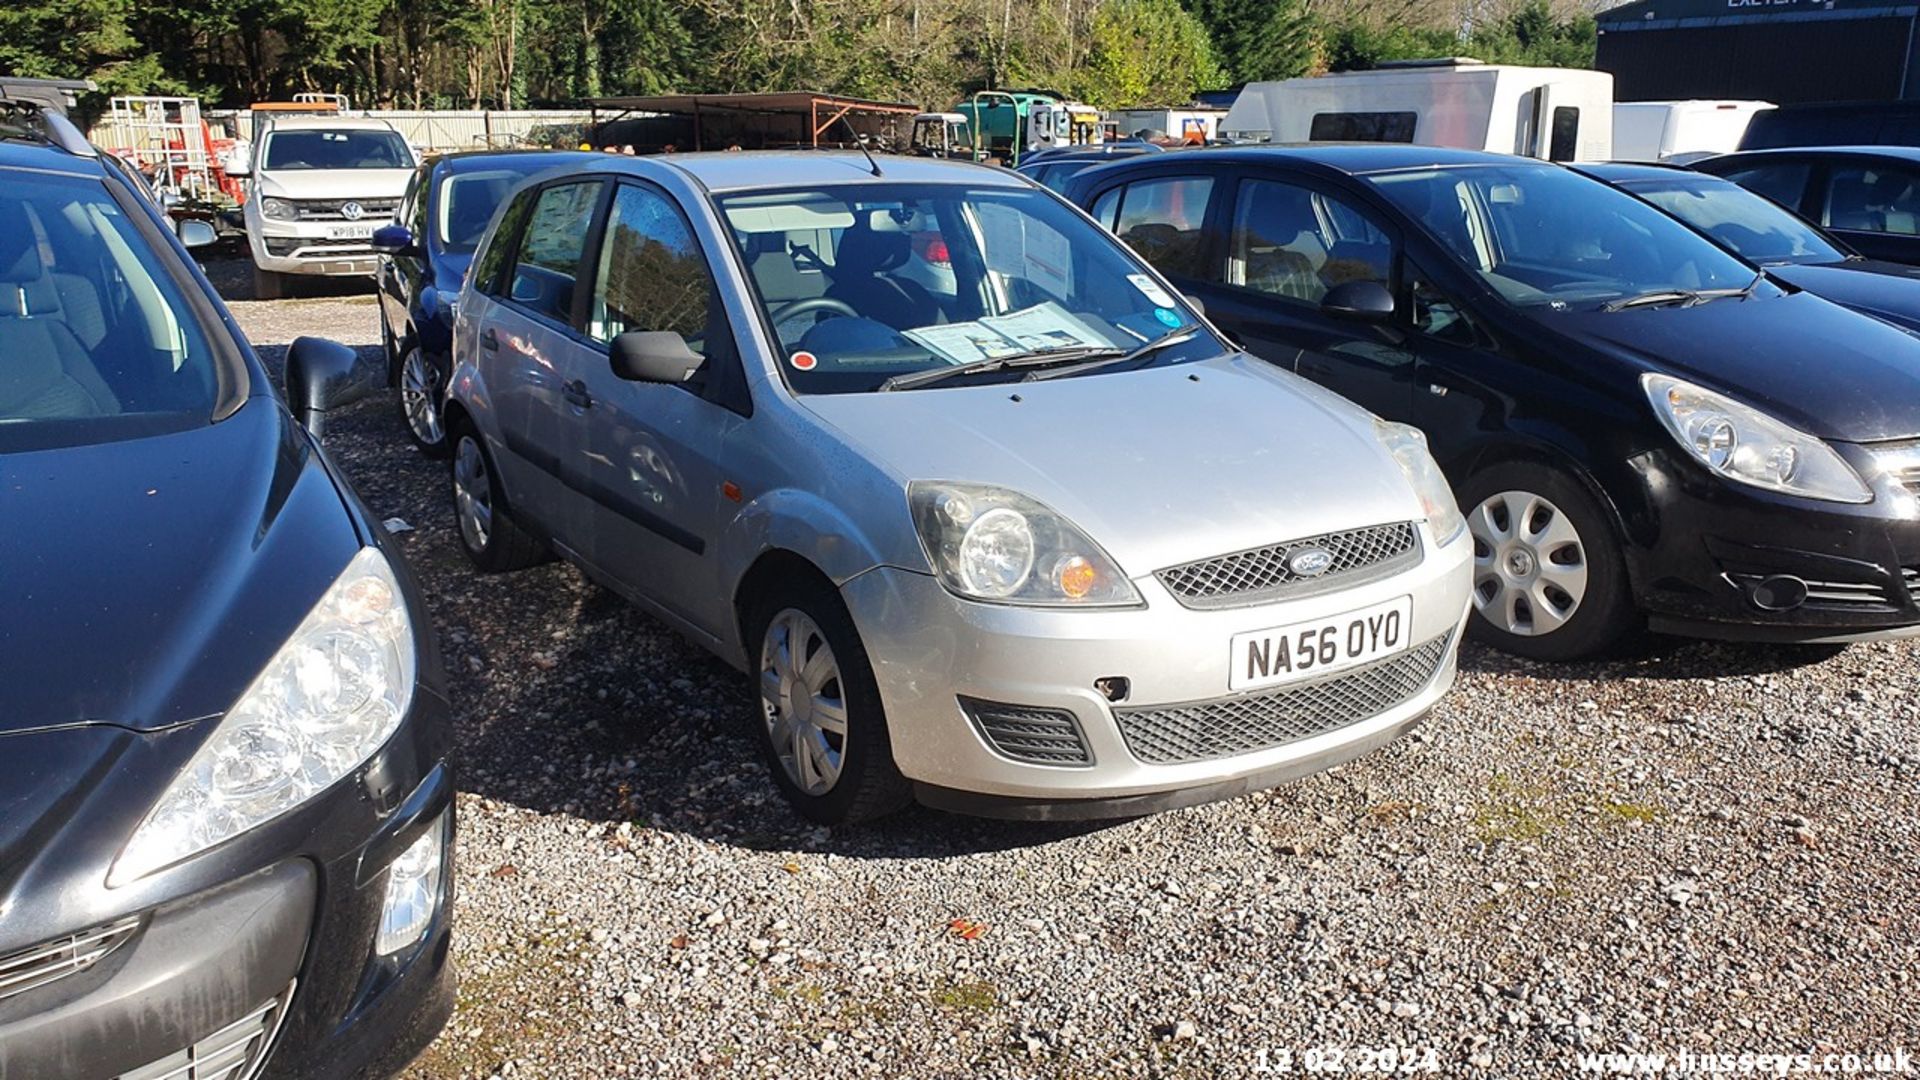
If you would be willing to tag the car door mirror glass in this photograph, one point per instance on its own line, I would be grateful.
(322, 378)
(195, 233)
(1364, 301)
(654, 356)
(1193, 302)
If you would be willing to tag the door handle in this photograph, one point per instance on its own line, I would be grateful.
(1436, 389)
(576, 394)
(489, 340)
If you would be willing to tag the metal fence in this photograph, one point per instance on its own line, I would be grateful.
(434, 131)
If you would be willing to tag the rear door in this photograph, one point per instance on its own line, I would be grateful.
(653, 451)
(399, 278)
(526, 350)
(1288, 242)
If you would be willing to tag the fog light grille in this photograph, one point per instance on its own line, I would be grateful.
(70, 955)
(1033, 736)
(1244, 723)
(235, 1052)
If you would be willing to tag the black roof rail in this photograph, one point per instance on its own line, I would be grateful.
(36, 119)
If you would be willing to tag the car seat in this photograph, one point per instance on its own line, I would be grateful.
(861, 277)
(45, 371)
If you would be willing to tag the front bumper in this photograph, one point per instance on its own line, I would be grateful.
(1705, 543)
(297, 247)
(261, 950)
(930, 650)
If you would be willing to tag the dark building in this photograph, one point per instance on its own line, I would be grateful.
(1781, 51)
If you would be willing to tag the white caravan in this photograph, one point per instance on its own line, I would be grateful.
(1559, 114)
(1680, 131)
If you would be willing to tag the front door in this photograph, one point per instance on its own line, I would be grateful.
(654, 450)
(1287, 245)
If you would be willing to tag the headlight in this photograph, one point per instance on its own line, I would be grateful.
(1744, 444)
(1408, 445)
(278, 209)
(330, 697)
(986, 543)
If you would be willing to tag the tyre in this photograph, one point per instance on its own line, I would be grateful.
(1549, 581)
(421, 384)
(822, 728)
(493, 540)
(268, 285)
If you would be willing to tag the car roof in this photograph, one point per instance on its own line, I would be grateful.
(325, 122)
(466, 160)
(1347, 157)
(1889, 150)
(722, 171)
(31, 153)
(1624, 172)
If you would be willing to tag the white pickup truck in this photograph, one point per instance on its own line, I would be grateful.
(317, 188)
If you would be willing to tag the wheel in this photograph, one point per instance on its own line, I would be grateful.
(1549, 581)
(268, 285)
(823, 730)
(493, 540)
(420, 387)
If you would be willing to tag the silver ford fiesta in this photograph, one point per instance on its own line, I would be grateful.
(992, 516)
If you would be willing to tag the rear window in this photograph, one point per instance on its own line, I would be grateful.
(1390, 127)
(99, 340)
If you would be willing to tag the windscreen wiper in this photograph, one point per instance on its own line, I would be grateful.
(1647, 299)
(1166, 340)
(1742, 292)
(1057, 354)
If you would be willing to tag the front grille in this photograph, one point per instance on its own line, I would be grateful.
(329, 209)
(70, 955)
(321, 247)
(1838, 595)
(1910, 576)
(1263, 574)
(1244, 723)
(235, 1052)
(1035, 736)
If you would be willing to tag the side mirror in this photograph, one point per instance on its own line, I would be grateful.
(1193, 302)
(238, 168)
(655, 356)
(195, 233)
(323, 377)
(394, 240)
(1364, 301)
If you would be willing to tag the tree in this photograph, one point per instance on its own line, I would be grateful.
(1261, 39)
(1145, 52)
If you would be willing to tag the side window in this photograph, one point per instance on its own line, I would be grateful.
(1161, 220)
(1105, 206)
(1393, 127)
(1436, 315)
(1783, 183)
(489, 270)
(1873, 199)
(652, 274)
(1564, 139)
(415, 208)
(1290, 242)
(550, 249)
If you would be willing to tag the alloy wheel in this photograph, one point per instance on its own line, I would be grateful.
(473, 493)
(804, 702)
(418, 384)
(1529, 563)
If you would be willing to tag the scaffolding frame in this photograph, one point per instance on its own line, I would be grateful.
(164, 138)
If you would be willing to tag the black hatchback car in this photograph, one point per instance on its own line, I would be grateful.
(226, 813)
(1770, 236)
(1637, 423)
(1868, 196)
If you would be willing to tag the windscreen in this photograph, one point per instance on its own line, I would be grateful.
(352, 149)
(98, 340)
(1761, 231)
(1550, 239)
(466, 205)
(866, 282)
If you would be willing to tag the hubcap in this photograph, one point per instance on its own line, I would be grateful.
(472, 493)
(803, 701)
(418, 383)
(1529, 564)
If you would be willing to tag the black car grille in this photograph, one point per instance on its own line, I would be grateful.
(1033, 736)
(373, 210)
(1858, 596)
(57, 959)
(1244, 723)
(235, 1052)
(1262, 574)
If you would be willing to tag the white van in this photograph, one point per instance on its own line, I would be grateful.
(1680, 131)
(1559, 114)
(317, 187)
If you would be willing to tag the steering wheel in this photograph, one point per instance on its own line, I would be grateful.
(811, 305)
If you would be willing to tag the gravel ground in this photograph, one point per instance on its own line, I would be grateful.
(1696, 847)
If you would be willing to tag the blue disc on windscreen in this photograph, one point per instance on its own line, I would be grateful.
(1168, 316)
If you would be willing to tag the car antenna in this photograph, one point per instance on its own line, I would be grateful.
(861, 143)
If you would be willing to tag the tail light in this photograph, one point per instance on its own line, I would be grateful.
(931, 247)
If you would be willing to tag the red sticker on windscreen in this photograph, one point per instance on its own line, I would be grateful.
(804, 361)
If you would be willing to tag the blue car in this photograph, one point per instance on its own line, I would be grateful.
(441, 220)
